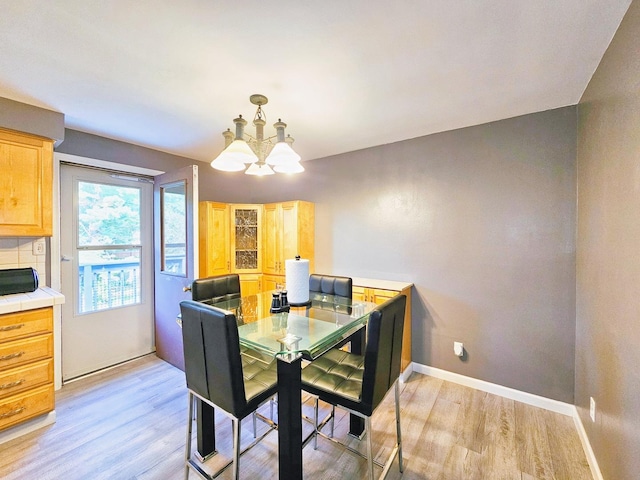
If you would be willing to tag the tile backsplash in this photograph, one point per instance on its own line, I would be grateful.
(17, 252)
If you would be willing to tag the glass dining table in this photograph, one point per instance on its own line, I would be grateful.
(300, 332)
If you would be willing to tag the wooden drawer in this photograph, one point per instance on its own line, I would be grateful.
(20, 352)
(21, 407)
(27, 323)
(19, 379)
(374, 295)
(380, 296)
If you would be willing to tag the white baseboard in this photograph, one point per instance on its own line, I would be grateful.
(406, 373)
(28, 426)
(517, 395)
(524, 397)
(586, 445)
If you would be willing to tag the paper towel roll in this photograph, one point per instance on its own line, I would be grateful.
(297, 280)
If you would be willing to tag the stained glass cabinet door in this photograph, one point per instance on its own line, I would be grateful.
(246, 238)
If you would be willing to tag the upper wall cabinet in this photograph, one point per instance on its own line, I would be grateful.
(26, 184)
(253, 240)
(214, 243)
(288, 231)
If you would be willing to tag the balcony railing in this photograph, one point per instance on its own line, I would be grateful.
(108, 285)
(114, 283)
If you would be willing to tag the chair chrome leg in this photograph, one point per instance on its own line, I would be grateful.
(187, 450)
(255, 426)
(272, 402)
(333, 419)
(236, 449)
(315, 424)
(398, 430)
(367, 429)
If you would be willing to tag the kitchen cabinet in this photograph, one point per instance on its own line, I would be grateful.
(379, 291)
(250, 284)
(246, 237)
(289, 230)
(26, 185)
(26, 365)
(272, 282)
(254, 241)
(214, 239)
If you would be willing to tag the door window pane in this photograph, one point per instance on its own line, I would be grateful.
(108, 250)
(108, 215)
(173, 210)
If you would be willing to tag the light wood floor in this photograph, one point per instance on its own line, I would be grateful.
(129, 423)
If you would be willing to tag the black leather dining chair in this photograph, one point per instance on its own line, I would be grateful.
(359, 383)
(220, 376)
(330, 285)
(336, 286)
(219, 288)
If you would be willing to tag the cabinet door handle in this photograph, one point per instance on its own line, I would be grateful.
(11, 327)
(11, 355)
(13, 412)
(7, 386)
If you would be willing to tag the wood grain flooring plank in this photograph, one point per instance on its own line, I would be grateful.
(499, 459)
(532, 443)
(567, 455)
(129, 423)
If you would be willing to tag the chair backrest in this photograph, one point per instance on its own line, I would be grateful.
(216, 289)
(212, 362)
(331, 285)
(383, 350)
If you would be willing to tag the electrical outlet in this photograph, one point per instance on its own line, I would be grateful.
(592, 409)
(39, 247)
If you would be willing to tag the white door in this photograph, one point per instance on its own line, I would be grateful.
(106, 241)
(176, 255)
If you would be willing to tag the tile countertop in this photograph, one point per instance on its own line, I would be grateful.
(383, 284)
(42, 297)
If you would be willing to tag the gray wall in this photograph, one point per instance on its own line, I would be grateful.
(608, 257)
(29, 119)
(94, 146)
(481, 220)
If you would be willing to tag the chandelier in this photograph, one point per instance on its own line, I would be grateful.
(264, 156)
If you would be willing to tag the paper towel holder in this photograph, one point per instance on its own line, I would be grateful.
(301, 304)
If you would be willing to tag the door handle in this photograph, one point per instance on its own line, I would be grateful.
(66, 258)
(186, 289)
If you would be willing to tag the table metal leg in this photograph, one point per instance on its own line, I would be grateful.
(356, 423)
(206, 430)
(289, 419)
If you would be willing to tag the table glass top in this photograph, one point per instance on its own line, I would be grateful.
(310, 330)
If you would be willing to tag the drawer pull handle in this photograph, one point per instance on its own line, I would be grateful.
(7, 386)
(17, 411)
(11, 327)
(11, 355)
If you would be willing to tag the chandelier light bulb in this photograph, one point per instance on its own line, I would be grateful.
(281, 154)
(227, 164)
(259, 169)
(293, 167)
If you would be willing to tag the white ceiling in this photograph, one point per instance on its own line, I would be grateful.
(343, 74)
